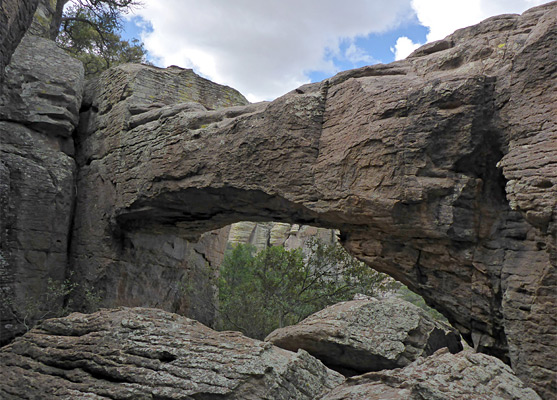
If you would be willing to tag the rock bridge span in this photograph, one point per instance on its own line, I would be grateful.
(440, 170)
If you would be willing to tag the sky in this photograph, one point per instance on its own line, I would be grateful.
(265, 48)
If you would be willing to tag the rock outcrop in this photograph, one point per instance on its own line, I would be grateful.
(15, 18)
(440, 170)
(156, 267)
(39, 109)
(151, 354)
(359, 336)
(443, 376)
(266, 234)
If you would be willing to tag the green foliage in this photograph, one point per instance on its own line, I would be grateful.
(274, 288)
(52, 303)
(417, 300)
(89, 31)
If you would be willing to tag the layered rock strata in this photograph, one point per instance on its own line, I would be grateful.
(360, 336)
(440, 170)
(151, 354)
(39, 109)
(157, 267)
(443, 376)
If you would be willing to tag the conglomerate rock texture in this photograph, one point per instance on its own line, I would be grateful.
(442, 376)
(143, 353)
(359, 336)
(440, 170)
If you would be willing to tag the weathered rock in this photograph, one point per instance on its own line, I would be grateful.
(46, 20)
(443, 376)
(146, 354)
(266, 234)
(439, 170)
(151, 268)
(43, 88)
(38, 112)
(359, 336)
(15, 18)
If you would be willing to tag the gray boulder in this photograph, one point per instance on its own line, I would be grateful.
(443, 376)
(141, 353)
(359, 336)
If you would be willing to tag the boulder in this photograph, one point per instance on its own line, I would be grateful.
(359, 336)
(443, 376)
(43, 88)
(146, 354)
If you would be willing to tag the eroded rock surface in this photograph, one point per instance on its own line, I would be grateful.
(146, 354)
(443, 376)
(359, 336)
(266, 234)
(157, 267)
(15, 18)
(440, 170)
(38, 113)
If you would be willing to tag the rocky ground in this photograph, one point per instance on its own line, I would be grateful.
(360, 336)
(140, 353)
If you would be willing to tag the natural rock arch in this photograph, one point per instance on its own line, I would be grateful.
(409, 160)
(440, 169)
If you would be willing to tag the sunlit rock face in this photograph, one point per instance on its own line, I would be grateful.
(439, 170)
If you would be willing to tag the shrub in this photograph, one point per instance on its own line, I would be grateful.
(276, 287)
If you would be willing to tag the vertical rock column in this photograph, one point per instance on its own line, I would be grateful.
(39, 110)
(15, 18)
(155, 267)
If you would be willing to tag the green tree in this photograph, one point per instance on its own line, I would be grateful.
(89, 30)
(276, 287)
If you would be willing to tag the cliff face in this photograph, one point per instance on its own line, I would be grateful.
(15, 18)
(158, 267)
(38, 113)
(440, 170)
(266, 234)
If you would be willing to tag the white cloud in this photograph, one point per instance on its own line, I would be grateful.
(403, 47)
(355, 54)
(263, 48)
(443, 17)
